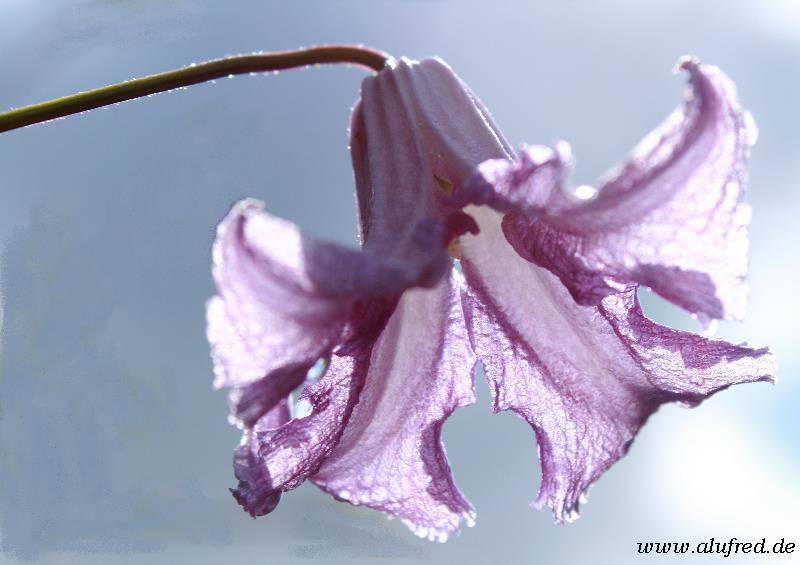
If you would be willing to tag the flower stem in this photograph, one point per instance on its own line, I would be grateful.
(218, 68)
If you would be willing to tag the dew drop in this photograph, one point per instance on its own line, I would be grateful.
(585, 192)
(301, 409)
(316, 370)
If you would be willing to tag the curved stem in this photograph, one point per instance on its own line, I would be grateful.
(218, 68)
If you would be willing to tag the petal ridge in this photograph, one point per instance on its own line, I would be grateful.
(670, 218)
(391, 456)
(586, 378)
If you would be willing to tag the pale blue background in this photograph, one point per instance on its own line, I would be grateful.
(113, 445)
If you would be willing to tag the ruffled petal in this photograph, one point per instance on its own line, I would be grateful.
(270, 461)
(255, 492)
(390, 456)
(531, 185)
(284, 299)
(372, 434)
(670, 218)
(586, 378)
(278, 455)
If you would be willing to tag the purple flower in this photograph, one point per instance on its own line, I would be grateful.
(545, 300)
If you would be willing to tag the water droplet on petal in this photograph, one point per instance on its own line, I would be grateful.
(317, 370)
(585, 192)
(301, 409)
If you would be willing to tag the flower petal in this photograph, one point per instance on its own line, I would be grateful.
(416, 136)
(390, 456)
(284, 299)
(670, 218)
(531, 185)
(255, 492)
(586, 378)
(273, 460)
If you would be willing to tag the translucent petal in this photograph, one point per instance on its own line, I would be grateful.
(390, 456)
(586, 378)
(670, 217)
(284, 300)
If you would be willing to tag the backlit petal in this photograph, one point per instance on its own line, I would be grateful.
(670, 218)
(586, 378)
(270, 461)
(284, 299)
(391, 456)
(255, 492)
(278, 455)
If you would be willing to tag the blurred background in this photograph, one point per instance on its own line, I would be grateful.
(114, 448)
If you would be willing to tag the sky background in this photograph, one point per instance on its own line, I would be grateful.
(114, 447)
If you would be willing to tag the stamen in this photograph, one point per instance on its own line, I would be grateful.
(194, 74)
(444, 184)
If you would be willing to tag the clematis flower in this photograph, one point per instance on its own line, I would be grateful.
(545, 298)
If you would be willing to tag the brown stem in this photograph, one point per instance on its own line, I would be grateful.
(218, 68)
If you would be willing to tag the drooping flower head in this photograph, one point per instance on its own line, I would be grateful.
(545, 300)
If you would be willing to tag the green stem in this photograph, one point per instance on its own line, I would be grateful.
(194, 74)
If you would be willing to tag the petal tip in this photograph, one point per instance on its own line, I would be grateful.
(563, 512)
(687, 63)
(441, 535)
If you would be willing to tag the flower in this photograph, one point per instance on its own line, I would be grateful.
(545, 300)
